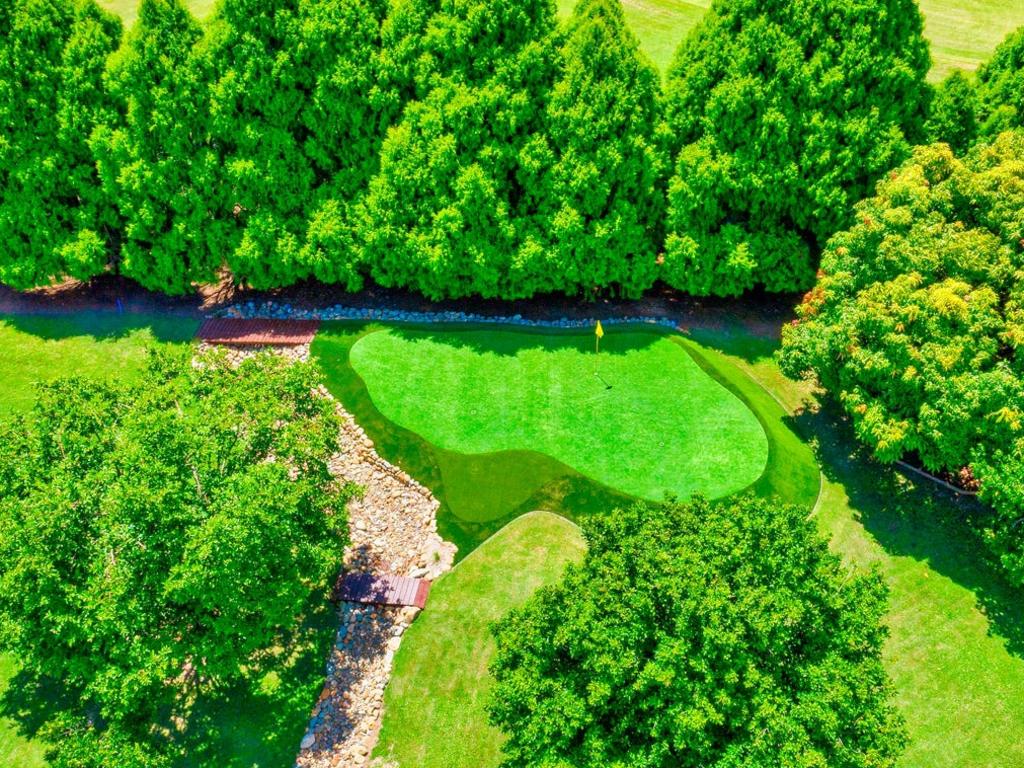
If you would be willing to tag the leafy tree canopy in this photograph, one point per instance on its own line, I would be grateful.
(159, 539)
(54, 221)
(699, 634)
(784, 113)
(916, 323)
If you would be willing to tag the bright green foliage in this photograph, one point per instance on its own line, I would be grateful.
(482, 392)
(256, 98)
(1003, 488)
(605, 188)
(159, 538)
(154, 158)
(343, 123)
(916, 323)
(784, 114)
(54, 220)
(953, 113)
(701, 635)
(1001, 87)
(290, 115)
(453, 209)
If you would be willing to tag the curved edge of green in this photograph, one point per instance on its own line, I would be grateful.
(791, 472)
(434, 705)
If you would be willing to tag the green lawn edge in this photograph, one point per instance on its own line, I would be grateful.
(435, 718)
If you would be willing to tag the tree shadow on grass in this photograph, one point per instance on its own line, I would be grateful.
(510, 340)
(909, 516)
(259, 723)
(102, 326)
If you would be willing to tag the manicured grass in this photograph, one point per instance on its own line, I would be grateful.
(92, 345)
(641, 417)
(963, 33)
(16, 749)
(511, 396)
(956, 646)
(434, 706)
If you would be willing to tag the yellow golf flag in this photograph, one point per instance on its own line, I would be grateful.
(599, 331)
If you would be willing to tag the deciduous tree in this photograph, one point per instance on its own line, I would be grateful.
(160, 539)
(915, 325)
(699, 634)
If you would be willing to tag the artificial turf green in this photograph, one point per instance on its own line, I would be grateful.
(641, 417)
(481, 492)
(434, 706)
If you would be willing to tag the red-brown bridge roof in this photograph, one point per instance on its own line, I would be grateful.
(231, 330)
(384, 589)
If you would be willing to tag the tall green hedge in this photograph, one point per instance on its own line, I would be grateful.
(784, 113)
(478, 148)
(55, 221)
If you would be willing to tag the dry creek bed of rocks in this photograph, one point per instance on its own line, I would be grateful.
(392, 529)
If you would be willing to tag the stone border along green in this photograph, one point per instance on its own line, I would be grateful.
(791, 472)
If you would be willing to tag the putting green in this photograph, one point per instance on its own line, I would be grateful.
(642, 417)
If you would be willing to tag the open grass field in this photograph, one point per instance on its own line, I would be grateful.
(956, 648)
(501, 422)
(640, 417)
(435, 703)
(963, 33)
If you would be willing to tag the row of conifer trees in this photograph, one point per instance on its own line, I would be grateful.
(473, 148)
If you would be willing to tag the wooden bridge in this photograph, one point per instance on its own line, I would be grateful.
(383, 589)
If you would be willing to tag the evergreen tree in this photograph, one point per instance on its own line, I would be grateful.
(343, 119)
(452, 211)
(953, 113)
(257, 95)
(784, 113)
(605, 190)
(55, 220)
(1001, 87)
(154, 157)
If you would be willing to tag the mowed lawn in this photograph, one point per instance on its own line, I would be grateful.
(92, 345)
(434, 706)
(641, 416)
(956, 646)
